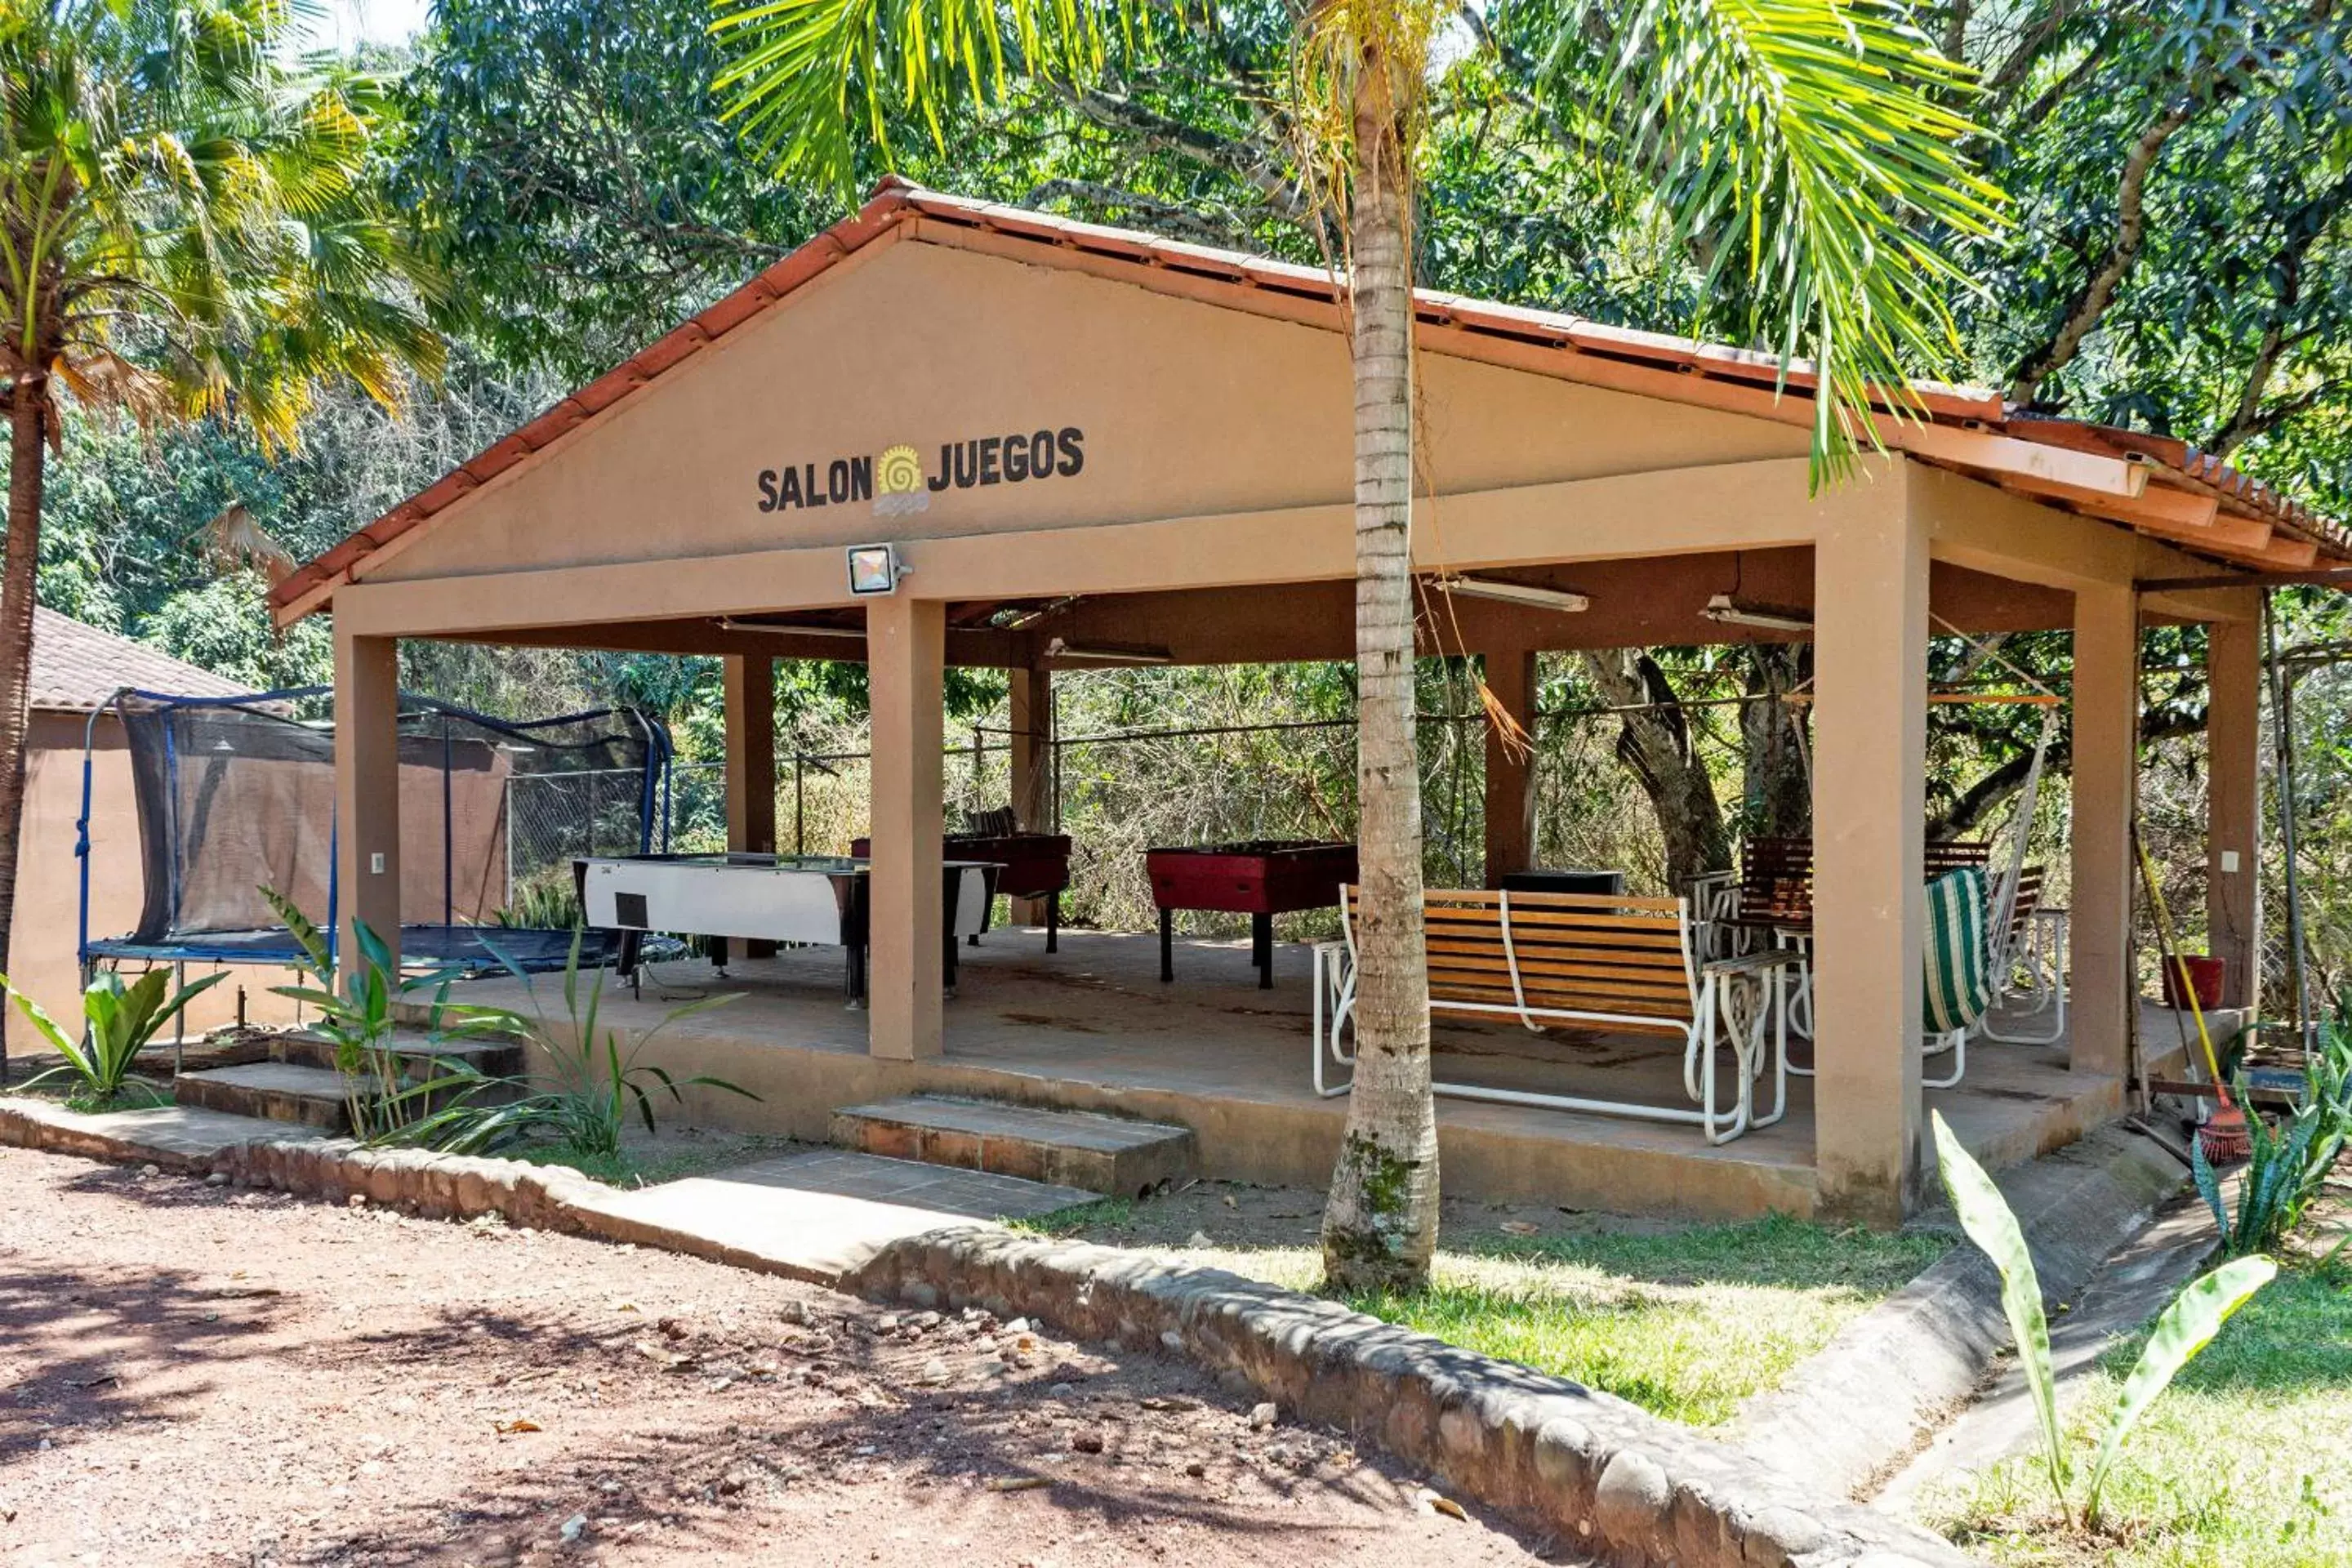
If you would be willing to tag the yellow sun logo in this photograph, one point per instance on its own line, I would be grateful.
(899, 482)
(897, 471)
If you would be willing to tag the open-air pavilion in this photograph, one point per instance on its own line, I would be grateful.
(1123, 442)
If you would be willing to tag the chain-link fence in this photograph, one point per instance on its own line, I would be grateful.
(553, 818)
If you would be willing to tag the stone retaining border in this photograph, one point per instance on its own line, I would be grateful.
(1605, 1475)
(1863, 1404)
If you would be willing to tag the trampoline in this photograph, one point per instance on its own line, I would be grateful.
(236, 794)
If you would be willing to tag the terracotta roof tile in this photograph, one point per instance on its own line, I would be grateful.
(77, 668)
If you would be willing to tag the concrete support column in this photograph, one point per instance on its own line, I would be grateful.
(906, 643)
(1511, 766)
(750, 708)
(367, 792)
(2105, 783)
(1870, 719)
(1032, 723)
(2233, 802)
(749, 691)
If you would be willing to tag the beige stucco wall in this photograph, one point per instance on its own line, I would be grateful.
(1186, 408)
(42, 936)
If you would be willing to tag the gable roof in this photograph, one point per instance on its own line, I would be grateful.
(2157, 485)
(76, 667)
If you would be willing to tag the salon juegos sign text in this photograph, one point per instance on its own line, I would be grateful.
(899, 481)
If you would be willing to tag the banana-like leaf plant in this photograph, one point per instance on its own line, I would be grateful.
(359, 1016)
(2185, 1327)
(122, 1020)
(589, 1086)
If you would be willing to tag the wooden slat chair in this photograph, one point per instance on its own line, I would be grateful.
(2028, 965)
(1623, 964)
(1774, 902)
(1938, 856)
(1776, 883)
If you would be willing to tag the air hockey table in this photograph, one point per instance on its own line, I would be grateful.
(820, 901)
(1261, 878)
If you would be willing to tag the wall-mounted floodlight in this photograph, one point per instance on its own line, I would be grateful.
(875, 569)
(1511, 593)
(1725, 610)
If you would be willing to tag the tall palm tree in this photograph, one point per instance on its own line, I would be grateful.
(1806, 146)
(186, 231)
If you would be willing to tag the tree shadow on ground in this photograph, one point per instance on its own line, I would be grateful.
(831, 1426)
(98, 1347)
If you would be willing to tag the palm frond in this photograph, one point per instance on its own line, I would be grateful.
(1816, 146)
(801, 73)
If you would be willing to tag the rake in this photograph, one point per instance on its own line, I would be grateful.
(2223, 1135)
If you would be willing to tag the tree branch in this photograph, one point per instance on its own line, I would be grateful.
(1971, 807)
(1252, 164)
(2098, 292)
(1167, 216)
(2250, 419)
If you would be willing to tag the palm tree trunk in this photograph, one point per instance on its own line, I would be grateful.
(1379, 1226)
(19, 576)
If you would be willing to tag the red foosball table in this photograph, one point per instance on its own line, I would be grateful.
(1261, 878)
(1031, 866)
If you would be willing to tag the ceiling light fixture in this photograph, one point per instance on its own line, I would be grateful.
(780, 628)
(1725, 610)
(1542, 598)
(1110, 652)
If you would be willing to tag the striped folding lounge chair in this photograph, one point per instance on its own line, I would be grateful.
(1959, 987)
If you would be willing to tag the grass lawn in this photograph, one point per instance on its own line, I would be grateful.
(1686, 1321)
(2246, 1460)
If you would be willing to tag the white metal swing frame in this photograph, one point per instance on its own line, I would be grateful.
(1747, 993)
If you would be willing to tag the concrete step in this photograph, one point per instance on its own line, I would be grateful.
(422, 1058)
(818, 1214)
(1068, 1148)
(275, 1092)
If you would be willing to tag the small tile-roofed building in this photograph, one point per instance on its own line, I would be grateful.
(76, 667)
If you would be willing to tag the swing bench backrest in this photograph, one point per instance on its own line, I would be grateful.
(1602, 957)
(1776, 882)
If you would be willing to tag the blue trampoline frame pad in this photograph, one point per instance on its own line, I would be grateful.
(463, 948)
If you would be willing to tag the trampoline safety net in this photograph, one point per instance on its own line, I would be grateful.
(237, 794)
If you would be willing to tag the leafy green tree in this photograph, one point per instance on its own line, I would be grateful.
(187, 231)
(570, 157)
(1807, 142)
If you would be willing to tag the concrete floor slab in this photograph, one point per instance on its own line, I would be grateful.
(1093, 1028)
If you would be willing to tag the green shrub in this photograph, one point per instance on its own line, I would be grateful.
(358, 1016)
(2185, 1327)
(596, 1084)
(121, 1020)
(2285, 1168)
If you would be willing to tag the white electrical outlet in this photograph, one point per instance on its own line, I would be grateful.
(375, 864)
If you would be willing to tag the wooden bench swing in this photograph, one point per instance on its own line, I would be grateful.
(1618, 963)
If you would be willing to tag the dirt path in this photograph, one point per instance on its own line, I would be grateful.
(195, 1374)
